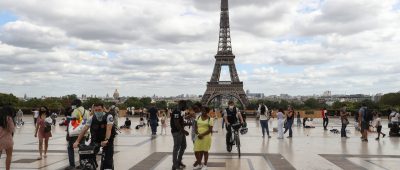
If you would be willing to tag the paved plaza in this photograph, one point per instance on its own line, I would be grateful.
(308, 149)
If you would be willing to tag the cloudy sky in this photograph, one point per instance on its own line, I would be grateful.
(146, 47)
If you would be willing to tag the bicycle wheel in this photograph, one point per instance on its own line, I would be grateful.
(237, 143)
(228, 147)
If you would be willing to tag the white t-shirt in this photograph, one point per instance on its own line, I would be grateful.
(36, 114)
(378, 122)
(395, 116)
(264, 116)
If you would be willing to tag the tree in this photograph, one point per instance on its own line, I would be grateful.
(88, 103)
(146, 101)
(390, 99)
(312, 103)
(134, 102)
(8, 99)
(161, 104)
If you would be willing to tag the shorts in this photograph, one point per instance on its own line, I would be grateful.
(364, 126)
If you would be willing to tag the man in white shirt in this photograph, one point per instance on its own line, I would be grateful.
(35, 116)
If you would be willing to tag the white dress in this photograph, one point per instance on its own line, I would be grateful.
(280, 125)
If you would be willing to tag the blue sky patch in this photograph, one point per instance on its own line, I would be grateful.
(6, 16)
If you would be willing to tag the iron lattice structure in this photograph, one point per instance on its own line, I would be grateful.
(225, 57)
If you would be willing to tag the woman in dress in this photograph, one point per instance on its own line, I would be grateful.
(280, 116)
(164, 122)
(42, 131)
(202, 144)
(6, 133)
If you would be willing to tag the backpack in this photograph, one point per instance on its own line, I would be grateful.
(368, 116)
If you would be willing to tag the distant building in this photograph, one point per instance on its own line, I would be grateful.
(116, 94)
(327, 94)
(254, 95)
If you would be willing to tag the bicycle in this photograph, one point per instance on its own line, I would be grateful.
(235, 140)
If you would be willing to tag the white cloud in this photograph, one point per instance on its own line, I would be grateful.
(168, 47)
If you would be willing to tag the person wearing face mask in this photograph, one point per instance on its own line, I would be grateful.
(78, 116)
(42, 132)
(103, 132)
(179, 135)
(231, 115)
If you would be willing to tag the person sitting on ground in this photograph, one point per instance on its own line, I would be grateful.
(309, 124)
(141, 123)
(304, 122)
(127, 124)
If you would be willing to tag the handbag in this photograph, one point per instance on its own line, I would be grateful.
(76, 125)
(345, 121)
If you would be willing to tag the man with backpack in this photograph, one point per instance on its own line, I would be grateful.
(103, 132)
(79, 117)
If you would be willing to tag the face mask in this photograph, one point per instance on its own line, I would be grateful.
(73, 107)
(98, 114)
(183, 113)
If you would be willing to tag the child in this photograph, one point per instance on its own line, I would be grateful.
(378, 126)
(164, 123)
(141, 123)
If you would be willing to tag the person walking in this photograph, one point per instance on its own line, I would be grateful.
(43, 130)
(324, 113)
(19, 117)
(179, 135)
(298, 119)
(289, 123)
(280, 116)
(378, 126)
(202, 144)
(164, 122)
(264, 118)
(6, 134)
(364, 122)
(153, 117)
(345, 121)
(78, 116)
(35, 116)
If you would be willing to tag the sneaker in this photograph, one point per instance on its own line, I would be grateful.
(269, 136)
(365, 140)
(78, 167)
(376, 138)
(181, 165)
(197, 167)
(204, 167)
(289, 137)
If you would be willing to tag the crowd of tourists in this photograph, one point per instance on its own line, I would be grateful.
(99, 125)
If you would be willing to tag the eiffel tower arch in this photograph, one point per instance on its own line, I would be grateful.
(225, 57)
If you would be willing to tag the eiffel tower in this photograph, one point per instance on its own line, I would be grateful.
(217, 89)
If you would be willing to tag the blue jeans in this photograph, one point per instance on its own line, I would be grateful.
(264, 126)
(289, 124)
(153, 124)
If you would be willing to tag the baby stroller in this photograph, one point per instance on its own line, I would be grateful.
(87, 154)
(394, 129)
